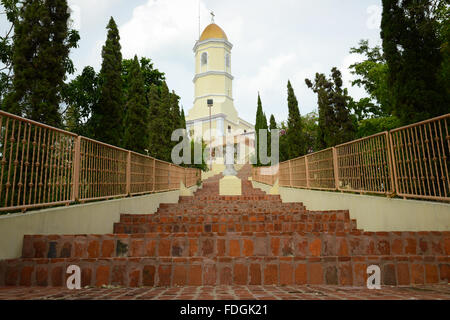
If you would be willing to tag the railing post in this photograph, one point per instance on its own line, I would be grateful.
(290, 174)
(76, 169)
(307, 171)
(153, 174)
(128, 190)
(391, 160)
(336, 168)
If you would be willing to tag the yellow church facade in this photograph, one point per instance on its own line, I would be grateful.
(213, 80)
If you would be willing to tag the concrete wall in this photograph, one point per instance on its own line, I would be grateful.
(89, 218)
(371, 212)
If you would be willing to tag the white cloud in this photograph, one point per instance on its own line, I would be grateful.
(159, 25)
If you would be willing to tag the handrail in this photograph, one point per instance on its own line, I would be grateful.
(42, 166)
(410, 162)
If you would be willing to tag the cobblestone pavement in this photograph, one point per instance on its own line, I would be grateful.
(434, 292)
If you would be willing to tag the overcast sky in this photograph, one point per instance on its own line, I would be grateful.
(273, 41)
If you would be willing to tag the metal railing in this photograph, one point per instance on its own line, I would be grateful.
(43, 166)
(411, 162)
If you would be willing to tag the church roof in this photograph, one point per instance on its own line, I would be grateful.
(213, 31)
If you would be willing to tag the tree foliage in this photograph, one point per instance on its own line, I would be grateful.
(107, 115)
(260, 123)
(81, 95)
(372, 75)
(412, 49)
(40, 59)
(336, 125)
(137, 113)
(296, 139)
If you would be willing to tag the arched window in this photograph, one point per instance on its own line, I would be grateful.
(227, 60)
(204, 58)
(229, 128)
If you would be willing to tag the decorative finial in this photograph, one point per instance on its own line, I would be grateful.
(212, 16)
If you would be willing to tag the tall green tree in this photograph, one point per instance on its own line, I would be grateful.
(154, 142)
(160, 124)
(345, 123)
(137, 113)
(442, 14)
(81, 95)
(411, 47)
(259, 125)
(40, 60)
(273, 123)
(310, 123)
(107, 116)
(150, 74)
(336, 125)
(295, 135)
(11, 10)
(371, 75)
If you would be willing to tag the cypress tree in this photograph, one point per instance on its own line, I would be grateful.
(107, 116)
(42, 42)
(136, 117)
(273, 123)
(295, 135)
(154, 141)
(411, 46)
(163, 124)
(258, 125)
(183, 119)
(175, 113)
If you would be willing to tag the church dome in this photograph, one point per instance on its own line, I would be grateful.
(213, 31)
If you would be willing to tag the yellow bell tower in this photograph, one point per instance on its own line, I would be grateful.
(213, 80)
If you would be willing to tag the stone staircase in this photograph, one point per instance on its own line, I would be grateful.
(253, 239)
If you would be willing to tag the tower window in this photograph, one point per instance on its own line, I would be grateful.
(204, 58)
(229, 128)
(227, 60)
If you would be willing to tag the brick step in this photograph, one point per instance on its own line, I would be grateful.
(165, 272)
(215, 197)
(338, 216)
(237, 244)
(134, 228)
(231, 206)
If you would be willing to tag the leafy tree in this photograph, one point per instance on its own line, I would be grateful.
(372, 75)
(6, 47)
(150, 74)
(40, 60)
(81, 95)
(310, 127)
(368, 127)
(336, 125)
(107, 116)
(412, 49)
(442, 18)
(295, 135)
(137, 113)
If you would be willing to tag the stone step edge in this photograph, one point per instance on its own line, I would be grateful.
(134, 272)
